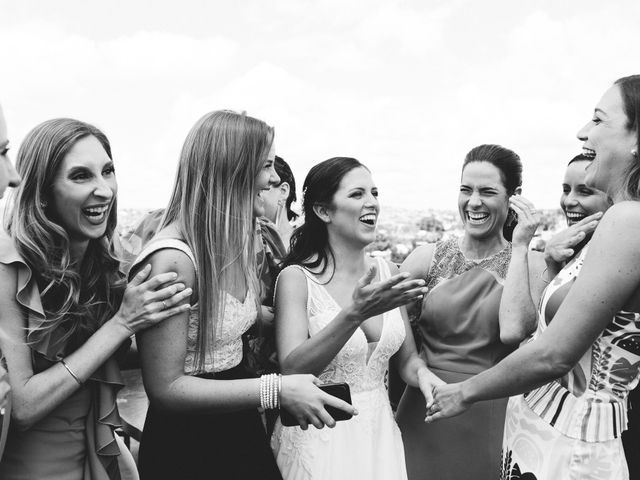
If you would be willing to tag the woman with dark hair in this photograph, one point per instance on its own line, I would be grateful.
(203, 419)
(277, 205)
(337, 316)
(463, 327)
(64, 307)
(584, 359)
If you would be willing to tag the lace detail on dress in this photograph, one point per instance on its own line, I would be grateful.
(350, 365)
(224, 349)
(449, 261)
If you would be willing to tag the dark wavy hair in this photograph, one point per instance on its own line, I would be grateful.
(286, 176)
(630, 92)
(310, 242)
(510, 166)
(78, 301)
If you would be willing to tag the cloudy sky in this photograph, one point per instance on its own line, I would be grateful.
(407, 87)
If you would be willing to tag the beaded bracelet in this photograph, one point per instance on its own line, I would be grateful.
(270, 387)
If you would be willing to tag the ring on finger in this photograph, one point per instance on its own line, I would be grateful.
(164, 305)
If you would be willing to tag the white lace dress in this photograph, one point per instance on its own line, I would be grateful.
(369, 445)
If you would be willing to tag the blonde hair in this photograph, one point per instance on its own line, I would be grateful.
(80, 300)
(212, 206)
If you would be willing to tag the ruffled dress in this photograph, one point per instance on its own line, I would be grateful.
(76, 440)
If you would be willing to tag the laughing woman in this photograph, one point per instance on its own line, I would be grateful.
(203, 420)
(337, 316)
(63, 310)
(464, 327)
(585, 357)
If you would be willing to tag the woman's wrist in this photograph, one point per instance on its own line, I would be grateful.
(353, 315)
(119, 328)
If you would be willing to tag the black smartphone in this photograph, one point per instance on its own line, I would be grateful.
(340, 390)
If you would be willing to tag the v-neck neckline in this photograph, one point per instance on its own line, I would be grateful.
(382, 330)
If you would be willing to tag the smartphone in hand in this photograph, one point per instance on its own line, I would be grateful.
(340, 390)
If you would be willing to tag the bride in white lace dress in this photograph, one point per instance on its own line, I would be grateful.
(337, 316)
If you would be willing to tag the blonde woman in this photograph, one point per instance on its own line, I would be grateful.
(64, 307)
(203, 419)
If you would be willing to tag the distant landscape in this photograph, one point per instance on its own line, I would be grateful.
(400, 230)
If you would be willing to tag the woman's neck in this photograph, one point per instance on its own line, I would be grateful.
(77, 249)
(349, 258)
(478, 248)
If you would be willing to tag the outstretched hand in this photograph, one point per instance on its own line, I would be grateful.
(373, 298)
(448, 401)
(561, 247)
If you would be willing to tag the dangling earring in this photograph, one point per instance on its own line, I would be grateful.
(634, 152)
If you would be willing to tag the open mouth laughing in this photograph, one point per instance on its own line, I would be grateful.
(369, 219)
(477, 218)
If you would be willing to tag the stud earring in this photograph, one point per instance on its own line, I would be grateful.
(43, 204)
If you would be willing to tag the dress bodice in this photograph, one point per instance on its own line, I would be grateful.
(589, 402)
(224, 349)
(350, 365)
(458, 324)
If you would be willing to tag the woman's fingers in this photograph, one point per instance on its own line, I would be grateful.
(141, 276)
(166, 293)
(368, 277)
(338, 403)
(326, 418)
(159, 280)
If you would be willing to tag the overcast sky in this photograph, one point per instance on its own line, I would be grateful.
(407, 87)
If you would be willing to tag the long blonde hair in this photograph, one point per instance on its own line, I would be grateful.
(77, 301)
(212, 206)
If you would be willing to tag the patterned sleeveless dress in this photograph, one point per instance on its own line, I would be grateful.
(368, 446)
(570, 428)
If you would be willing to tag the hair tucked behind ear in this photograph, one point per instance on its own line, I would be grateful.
(77, 301)
(309, 242)
(510, 166)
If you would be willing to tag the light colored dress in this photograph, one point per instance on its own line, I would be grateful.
(459, 331)
(368, 446)
(570, 428)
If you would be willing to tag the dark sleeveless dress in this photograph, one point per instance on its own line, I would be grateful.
(228, 445)
(460, 336)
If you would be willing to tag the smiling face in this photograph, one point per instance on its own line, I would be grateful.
(84, 190)
(267, 177)
(578, 200)
(483, 202)
(609, 143)
(355, 208)
(8, 175)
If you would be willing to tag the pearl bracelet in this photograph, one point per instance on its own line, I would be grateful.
(270, 386)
